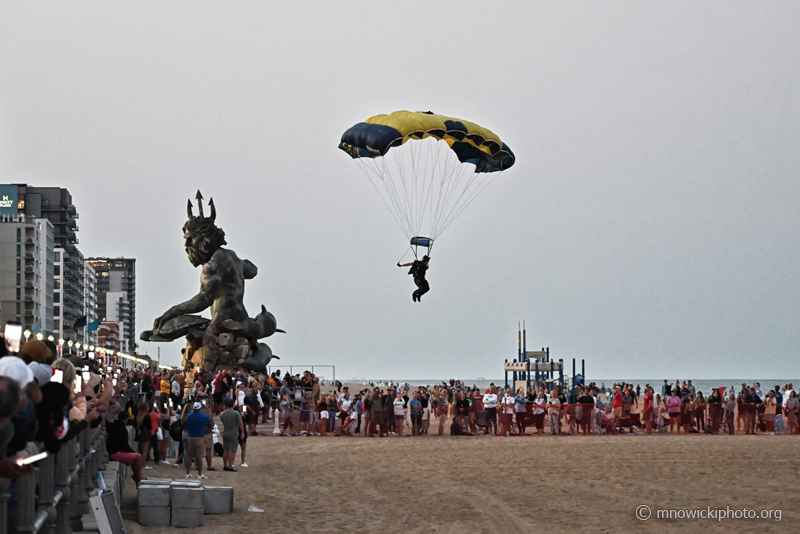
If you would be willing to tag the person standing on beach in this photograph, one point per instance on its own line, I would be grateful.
(553, 414)
(771, 405)
(377, 414)
(322, 423)
(415, 409)
(424, 400)
(700, 411)
(730, 411)
(442, 409)
(399, 413)
(232, 432)
(520, 411)
(196, 424)
(674, 411)
(750, 411)
(686, 413)
(617, 405)
(490, 405)
(647, 411)
(792, 407)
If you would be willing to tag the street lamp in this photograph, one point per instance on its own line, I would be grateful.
(27, 334)
(50, 339)
(39, 336)
(60, 347)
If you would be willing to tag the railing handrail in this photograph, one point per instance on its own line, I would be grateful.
(54, 495)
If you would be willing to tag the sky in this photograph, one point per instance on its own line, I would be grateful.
(649, 225)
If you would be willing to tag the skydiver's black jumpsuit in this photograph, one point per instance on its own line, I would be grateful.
(418, 269)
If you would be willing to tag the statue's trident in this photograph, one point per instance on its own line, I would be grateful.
(199, 198)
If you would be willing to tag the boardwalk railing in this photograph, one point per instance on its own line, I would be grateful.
(54, 496)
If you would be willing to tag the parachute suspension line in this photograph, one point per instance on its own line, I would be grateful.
(398, 160)
(452, 206)
(444, 182)
(406, 252)
(433, 167)
(365, 170)
(452, 186)
(389, 185)
(386, 180)
(474, 196)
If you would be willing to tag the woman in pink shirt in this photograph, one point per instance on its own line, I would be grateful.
(674, 410)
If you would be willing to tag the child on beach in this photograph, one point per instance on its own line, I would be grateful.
(553, 412)
(286, 415)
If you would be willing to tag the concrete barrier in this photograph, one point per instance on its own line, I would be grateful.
(155, 516)
(154, 495)
(187, 517)
(217, 500)
(186, 497)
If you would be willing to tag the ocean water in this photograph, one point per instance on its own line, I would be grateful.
(703, 385)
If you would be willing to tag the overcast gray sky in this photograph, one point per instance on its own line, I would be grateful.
(650, 224)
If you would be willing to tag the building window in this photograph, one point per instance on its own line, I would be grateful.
(56, 270)
(19, 251)
(18, 278)
(58, 256)
(57, 325)
(57, 284)
(19, 235)
(19, 292)
(21, 204)
(56, 310)
(57, 297)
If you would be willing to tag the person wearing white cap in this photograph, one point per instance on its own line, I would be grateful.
(41, 372)
(196, 425)
(15, 368)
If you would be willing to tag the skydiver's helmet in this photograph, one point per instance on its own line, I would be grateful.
(425, 258)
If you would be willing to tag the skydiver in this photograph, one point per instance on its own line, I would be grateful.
(418, 268)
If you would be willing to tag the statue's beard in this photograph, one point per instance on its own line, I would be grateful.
(199, 254)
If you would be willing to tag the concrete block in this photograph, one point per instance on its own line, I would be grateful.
(155, 516)
(217, 500)
(187, 517)
(156, 481)
(152, 495)
(186, 497)
(189, 483)
(113, 466)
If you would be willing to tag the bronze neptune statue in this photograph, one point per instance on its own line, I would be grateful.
(230, 339)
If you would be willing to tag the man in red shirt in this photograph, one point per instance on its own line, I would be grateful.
(647, 411)
(616, 410)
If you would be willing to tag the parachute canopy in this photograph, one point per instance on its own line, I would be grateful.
(426, 183)
(470, 142)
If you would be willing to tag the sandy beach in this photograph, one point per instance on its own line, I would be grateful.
(494, 484)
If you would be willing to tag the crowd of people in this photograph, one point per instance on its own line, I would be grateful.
(153, 415)
(301, 405)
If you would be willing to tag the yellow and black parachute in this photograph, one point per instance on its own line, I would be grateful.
(426, 184)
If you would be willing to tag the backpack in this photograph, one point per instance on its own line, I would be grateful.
(175, 430)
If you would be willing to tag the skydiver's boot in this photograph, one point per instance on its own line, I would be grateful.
(414, 296)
